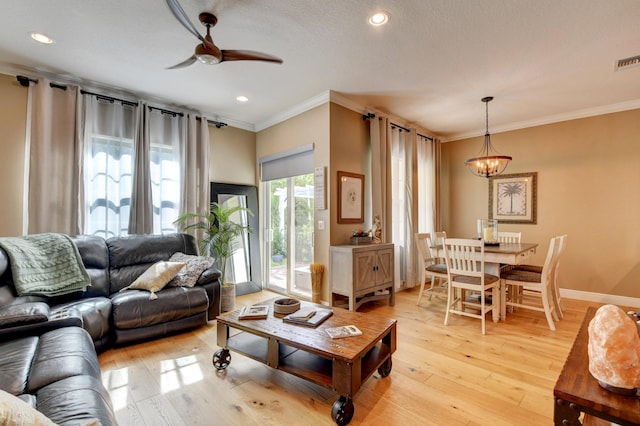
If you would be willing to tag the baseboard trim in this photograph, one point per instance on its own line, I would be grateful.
(600, 297)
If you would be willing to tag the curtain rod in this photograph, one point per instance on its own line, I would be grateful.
(24, 81)
(370, 115)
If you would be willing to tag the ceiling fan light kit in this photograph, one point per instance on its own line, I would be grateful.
(207, 52)
(489, 163)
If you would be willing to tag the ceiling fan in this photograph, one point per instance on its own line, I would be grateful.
(207, 52)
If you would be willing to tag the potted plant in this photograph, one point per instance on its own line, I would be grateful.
(218, 231)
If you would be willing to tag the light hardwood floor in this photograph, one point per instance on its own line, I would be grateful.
(441, 375)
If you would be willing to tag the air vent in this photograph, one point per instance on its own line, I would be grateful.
(623, 64)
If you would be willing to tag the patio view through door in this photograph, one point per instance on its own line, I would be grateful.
(289, 242)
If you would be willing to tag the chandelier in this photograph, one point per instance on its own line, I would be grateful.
(489, 163)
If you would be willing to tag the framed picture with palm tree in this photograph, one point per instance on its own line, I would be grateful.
(513, 198)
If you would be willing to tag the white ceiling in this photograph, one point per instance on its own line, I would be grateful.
(542, 60)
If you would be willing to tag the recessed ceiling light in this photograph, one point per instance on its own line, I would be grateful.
(379, 18)
(42, 38)
(242, 99)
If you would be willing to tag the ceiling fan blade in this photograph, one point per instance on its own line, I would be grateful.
(248, 55)
(181, 16)
(185, 63)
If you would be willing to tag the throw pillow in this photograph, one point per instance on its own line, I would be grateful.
(156, 277)
(188, 276)
(14, 411)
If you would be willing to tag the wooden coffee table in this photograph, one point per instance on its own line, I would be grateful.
(342, 365)
(577, 391)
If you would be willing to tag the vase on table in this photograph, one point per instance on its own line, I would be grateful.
(488, 230)
(227, 297)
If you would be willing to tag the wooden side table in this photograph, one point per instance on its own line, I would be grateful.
(577, 391)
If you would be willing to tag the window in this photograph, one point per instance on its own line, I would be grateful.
(109, 167)
(108, 186)
(165, 132)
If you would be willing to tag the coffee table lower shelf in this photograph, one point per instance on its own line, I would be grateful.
(341, 375)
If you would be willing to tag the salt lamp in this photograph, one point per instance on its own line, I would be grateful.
(614, 350)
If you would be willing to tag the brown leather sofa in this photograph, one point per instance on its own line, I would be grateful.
(48, 344)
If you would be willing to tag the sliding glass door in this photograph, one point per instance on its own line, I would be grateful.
(289, 215)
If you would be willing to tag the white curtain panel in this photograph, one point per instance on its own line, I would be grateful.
(109, 134)
(380, 174)
(402, 213)
(55, 158)
(168, 135)
(427, 185)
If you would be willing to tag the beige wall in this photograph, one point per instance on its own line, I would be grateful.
(233, 155)
(588, 185)
(350, 152)
(310, 127)
(13, 113)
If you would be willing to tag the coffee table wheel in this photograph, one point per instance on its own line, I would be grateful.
(342, 411)
(385, 369)
(221, 359)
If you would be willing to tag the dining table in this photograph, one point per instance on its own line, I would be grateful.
(495, 256)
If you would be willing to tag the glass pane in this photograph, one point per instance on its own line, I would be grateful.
(238, 266)
(302, 249)
(277, 271)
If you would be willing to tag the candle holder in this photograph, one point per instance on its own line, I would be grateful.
(488, 231)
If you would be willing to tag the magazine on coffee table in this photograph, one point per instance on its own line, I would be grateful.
(343, 331)
(254, 312)
(312, 318)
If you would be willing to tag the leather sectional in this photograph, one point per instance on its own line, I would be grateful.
(48, 345)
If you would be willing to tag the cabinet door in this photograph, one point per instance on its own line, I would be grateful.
(384, 270)
(364, 274)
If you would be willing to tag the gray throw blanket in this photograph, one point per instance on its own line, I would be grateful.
(45, 264)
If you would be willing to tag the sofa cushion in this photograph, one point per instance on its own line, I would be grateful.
(156, 277)
(95, 313)
(24, 313)
(14, 411)
(62, 353)
(130, 256)
(95, 257)
(188, 276)
(15, 363)
(133, 309)
(78, 400)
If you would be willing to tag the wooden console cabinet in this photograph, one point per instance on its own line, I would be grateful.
(362, 273)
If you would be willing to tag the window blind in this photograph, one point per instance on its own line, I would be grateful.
(293, 162)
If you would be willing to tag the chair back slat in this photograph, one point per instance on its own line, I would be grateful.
(509, 237)
(465, 257)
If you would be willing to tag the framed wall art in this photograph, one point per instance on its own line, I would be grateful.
(513, 198)
(350, 197)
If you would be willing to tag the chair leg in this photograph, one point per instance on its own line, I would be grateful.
(482, 311)
(449, 302)
(420, 293)
(547, 310)
(556, 300)
(433, 281)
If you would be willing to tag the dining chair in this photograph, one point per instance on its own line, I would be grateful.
(556, 283)
(431, 263)
(466, 273)
(509, 237)
(525, 287)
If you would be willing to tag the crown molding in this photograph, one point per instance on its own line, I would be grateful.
(298, 109)
(574, 115)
